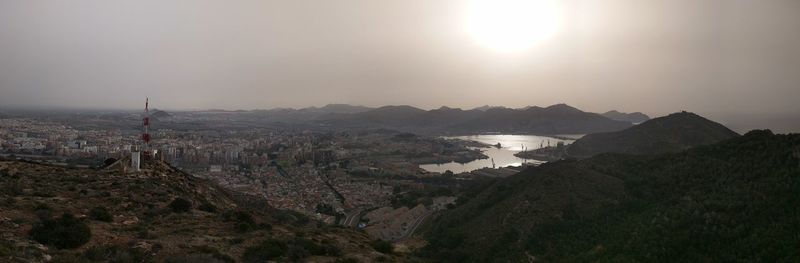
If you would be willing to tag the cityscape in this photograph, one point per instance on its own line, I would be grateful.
(409, 131)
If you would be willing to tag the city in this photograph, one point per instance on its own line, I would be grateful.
(347, 131)
(337, 177)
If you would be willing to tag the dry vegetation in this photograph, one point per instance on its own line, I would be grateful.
(158, 215)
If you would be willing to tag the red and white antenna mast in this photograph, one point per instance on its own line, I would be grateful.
(145, 128)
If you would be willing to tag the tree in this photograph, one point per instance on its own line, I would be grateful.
(100, 214)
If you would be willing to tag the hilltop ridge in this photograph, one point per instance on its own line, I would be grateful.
(633, 117)
(672, 133)
(158, 214)
(721, 200)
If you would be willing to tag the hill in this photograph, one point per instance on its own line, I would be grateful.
(634, 117)
(671, 133)
(555, 119)
(731, 201)
(342, 108)
(160, 114)
(157, 215)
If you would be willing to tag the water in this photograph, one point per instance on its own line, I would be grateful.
(503, 156)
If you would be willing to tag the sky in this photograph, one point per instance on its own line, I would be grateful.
(656, 56)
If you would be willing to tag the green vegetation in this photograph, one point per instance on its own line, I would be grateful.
(64, 232)
(732, 201)
(294, 250)
(100, 213)
(414, 197)
(113, 253)
(244, 221)
(382, 246)
(207, 207)
(180, 205)
(269, 249)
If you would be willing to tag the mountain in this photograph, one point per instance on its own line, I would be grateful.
(734, 200)
(158, 215)
(634, 117)
(391, 113)
(338, 108)
(555, 119)
(306, 115)
(160, 114)
(671, 133)
(487, 107)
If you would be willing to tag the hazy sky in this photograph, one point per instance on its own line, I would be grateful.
(654, 56)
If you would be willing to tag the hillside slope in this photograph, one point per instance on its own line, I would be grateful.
(731, 201)
(671, 133)
(139, 217)
(633, 117)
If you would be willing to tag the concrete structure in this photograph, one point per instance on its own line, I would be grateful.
(135, 161)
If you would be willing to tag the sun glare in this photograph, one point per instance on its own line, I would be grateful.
(511, 25)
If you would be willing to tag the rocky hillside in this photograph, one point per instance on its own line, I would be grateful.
(157, 215)
(731, 201)
(671, 133)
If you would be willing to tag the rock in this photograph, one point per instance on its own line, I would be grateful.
(131, 221)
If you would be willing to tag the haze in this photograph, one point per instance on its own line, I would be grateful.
(713, 56)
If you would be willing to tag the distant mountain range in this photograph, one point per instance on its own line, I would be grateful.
(160, 114)
(734, 200)
(555, 119)
(671, 133)
(635, 117)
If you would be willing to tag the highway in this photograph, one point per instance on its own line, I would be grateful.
(416, 224)
(352, 218)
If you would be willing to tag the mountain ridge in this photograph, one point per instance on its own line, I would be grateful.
(633, 117)
(719, 199)
(672, 133)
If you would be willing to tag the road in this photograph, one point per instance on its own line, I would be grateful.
(416, 224)
(352, 218)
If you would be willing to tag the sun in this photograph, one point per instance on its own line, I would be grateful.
(511, 25)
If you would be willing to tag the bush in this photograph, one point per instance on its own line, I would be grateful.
(100, 214)
(382, 246)
(270, 249)
(207, 207)
(64, 232)
(114, 253)
(311, 247)
(245, 221)
(180, 205)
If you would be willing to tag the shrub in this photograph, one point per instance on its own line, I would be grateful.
(13, 188)
(268, 250)
(207, 207)
(114, 253)
(325, 249)
(43, 212)
(180, 205)
(244, 227)
(100, 214)
(244, 220)
(215, 254)
(382, 246)
(64, 232)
